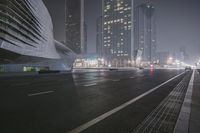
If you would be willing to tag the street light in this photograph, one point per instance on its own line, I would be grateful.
(170, 60)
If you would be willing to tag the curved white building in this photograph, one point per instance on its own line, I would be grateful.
(26, 38)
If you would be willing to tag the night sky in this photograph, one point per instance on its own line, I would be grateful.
(178, 24)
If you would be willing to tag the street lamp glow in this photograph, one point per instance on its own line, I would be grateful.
(170, 61)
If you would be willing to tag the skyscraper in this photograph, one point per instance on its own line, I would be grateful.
(150, 47)
(99, 33)
(139, 28)
(75, 26)
(117, 31)
(145, 31)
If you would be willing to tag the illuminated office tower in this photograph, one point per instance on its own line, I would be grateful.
(117, 32)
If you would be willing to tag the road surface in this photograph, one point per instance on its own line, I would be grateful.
(91, 102)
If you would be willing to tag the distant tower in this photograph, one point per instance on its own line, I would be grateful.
(183, 54)
(117, 31)
(150, 46)
(145, 31)
(75, 26)
(99, 35)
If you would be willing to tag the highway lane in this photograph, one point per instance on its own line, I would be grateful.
(60, 103)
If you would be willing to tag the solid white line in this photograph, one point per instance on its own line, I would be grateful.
(132, 77)
(40, 93)
(90, 85)
(184, 115)
(115, 110)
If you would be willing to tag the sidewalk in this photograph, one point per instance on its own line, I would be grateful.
(194, 124)
(189, 116)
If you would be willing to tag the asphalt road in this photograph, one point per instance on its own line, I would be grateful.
(62, 102)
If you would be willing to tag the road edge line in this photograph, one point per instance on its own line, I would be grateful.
(40, 93)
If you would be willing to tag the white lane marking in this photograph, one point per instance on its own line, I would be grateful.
(184, 115)
(115, 110)
(40, 93)
(132, 77)
(116, 80)
(90, 85)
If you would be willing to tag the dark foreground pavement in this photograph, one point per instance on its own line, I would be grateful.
(60, 103)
